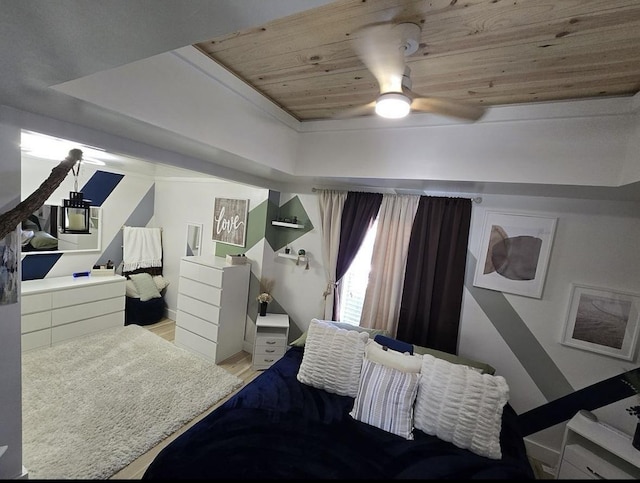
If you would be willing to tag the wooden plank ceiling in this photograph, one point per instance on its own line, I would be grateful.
(484, 52)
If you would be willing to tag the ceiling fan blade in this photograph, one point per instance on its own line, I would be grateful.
(446, 107)
(380, 49)
(356, 111)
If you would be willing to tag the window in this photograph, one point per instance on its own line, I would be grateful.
(354, 283)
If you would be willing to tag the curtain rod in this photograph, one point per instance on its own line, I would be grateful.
(475, 199)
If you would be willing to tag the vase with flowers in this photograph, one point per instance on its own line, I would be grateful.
(265, 298)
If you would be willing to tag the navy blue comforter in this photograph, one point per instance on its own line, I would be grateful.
(277, 427)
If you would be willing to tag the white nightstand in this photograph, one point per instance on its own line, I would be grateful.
(272, 332)
(594, 450)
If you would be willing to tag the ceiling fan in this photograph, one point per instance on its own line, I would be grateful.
(383, 48)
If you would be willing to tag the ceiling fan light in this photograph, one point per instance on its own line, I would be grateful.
(393, 105)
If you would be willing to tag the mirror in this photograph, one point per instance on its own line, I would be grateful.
(41, 232)
(194, 239)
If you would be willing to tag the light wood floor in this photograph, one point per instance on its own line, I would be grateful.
(239, 365)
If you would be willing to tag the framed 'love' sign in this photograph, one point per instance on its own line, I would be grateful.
(230, 221)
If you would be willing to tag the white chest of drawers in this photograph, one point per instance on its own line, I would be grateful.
(272, 331)
(212, 307)
(60, 308)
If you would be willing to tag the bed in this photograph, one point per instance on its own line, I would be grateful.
(280, 427)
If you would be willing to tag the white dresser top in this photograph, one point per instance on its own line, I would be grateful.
(29, 287)
(211, 261)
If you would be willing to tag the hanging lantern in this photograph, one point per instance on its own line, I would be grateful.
(75, 211)
(75, 214)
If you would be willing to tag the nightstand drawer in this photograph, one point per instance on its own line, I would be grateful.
(279, 341)
(264, 361)
(269, 351)
(591, 465)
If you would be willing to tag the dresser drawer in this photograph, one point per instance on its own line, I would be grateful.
(37, 321)
(206, 275)
(35, 303)
(90, 293)
(198, 308)
(200, 291)
(206, 329)
(195, 343)
(34, 340)
(86, 327)
(86, 311)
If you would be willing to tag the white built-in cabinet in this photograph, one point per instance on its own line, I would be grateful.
(61, 308)
(212, 306)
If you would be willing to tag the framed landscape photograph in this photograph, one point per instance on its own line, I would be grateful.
(230, 221)
(602, 321)
(514, 253)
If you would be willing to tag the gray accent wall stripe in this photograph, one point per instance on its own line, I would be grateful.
(140, 216)
(540, 367)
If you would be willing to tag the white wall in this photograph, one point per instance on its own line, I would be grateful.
(179, 201)
(10, 357)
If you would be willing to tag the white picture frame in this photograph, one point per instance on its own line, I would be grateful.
(230, 221)
(514, 252)
(603, 321)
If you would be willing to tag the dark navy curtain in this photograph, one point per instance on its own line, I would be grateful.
(434, 277)
(359, 213)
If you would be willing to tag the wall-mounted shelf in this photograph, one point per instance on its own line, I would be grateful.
(296, 226)
(292, 256)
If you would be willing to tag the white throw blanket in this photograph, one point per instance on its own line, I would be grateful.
(142, 248)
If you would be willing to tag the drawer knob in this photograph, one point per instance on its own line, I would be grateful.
(270, 350)
(271, 342)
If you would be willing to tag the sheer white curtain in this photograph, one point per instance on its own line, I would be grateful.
(384, 290)
(331, 206)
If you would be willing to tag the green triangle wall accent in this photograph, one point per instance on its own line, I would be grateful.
(279, 237)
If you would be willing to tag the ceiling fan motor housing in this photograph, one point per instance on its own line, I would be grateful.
(409, 35)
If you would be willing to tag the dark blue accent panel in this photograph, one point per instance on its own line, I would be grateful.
(394, 344)
(100, 186)
(592, 397)
(35, 267)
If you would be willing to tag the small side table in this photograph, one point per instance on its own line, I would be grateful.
(272, 332)
(593, 450)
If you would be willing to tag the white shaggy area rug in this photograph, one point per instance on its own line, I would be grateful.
(94, 404)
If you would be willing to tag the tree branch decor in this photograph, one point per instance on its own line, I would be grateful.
(15, 216)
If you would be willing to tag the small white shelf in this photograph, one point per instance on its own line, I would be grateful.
(287, 225)
(291, 256)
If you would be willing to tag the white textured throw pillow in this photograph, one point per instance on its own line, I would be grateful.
(404, 362)
(332, 358)
(385, 398)
(461, 406)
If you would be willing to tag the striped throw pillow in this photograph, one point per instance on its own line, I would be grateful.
(385, 398)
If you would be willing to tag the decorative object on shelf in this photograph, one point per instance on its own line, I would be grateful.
(239, 259)
(514, 253)
(603, 321)
(302, 255)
